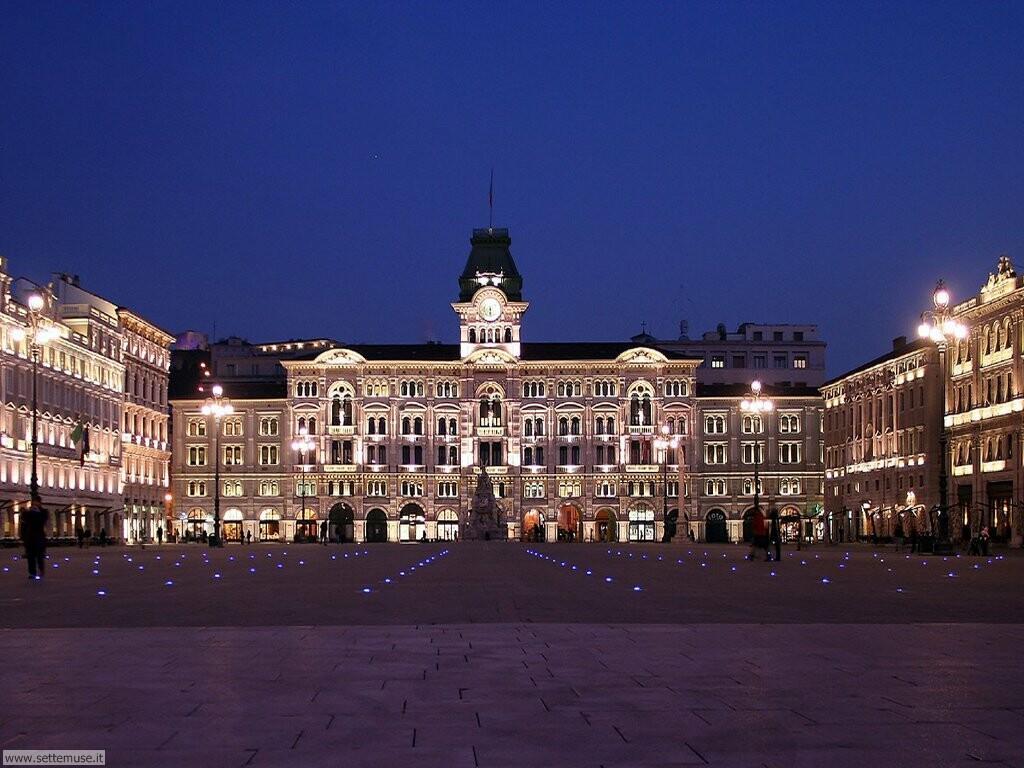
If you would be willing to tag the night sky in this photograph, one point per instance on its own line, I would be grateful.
(291, 169)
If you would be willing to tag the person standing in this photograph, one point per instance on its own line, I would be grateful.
(775, 533)
(759, 535)
(159, 534)
(33, 535)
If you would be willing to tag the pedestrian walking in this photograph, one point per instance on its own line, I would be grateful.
(323, 533)
(33, 536)
(159, 534)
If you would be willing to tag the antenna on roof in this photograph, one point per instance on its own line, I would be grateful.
(490, 202)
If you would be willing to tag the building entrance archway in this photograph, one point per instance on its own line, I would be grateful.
(411, 525)
(569, 522)
(447, 525)
(305, 525)
(606, 527)
(270, 525)
(231, 526)
(715, 529)
(376, 526)
(641, 524)
(533, 526)
(341, 523)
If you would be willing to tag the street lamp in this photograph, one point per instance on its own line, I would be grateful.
(303, 444)
(940, 327)
(756, 405)
(38, 336)
(663, 443)
(217, 406)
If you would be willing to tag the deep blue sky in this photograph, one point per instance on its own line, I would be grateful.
(296, 169)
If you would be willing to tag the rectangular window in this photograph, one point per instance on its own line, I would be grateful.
(759, 361)
(799, 361)
(779, 361)
(789, 453)
(718, 361)
(715, 453)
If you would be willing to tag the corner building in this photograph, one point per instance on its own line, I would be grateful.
(566, 432)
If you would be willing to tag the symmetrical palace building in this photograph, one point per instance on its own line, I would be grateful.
(577, 438)
(104, 377)
(884, 420)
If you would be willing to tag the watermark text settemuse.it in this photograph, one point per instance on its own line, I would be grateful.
(54, 757)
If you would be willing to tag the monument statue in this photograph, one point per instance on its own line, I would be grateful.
(485, 522)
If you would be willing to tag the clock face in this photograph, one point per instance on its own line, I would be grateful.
(490, 309)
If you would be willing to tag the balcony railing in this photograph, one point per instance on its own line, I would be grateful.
(341, 429)
(641, 429)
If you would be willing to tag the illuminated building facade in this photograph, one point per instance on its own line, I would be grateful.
(882, 444)
(984, 407)
(566, 431)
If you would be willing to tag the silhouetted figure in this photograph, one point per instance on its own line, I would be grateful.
(103, 537)
(323, 533)
(759, 535)
(775, 534)
(80, 535)
(249, 536)
(159, 534)
(33, 535)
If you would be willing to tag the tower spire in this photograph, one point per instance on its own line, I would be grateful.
(490, 202)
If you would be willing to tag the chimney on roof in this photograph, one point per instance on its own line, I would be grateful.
(899, 343)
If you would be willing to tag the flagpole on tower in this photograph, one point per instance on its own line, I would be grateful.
(490, 202)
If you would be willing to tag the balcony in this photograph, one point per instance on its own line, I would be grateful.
(641, 429)
(648, 468)
(340, 467)
(490, 431)
(341, 429)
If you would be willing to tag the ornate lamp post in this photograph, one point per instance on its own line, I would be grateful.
(217, 406)
(755, 404)
(939, 326)
(303, 444)
(662, 443)
(38, 336)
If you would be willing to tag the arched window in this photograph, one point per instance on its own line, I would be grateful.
(406, 425)
(371, 426)
(417, 426)
(574, 425)
(472, 335)
(508, 335)
(599, 426)
(528, 428)
(563, 426)
(442, 426)
(453, 426)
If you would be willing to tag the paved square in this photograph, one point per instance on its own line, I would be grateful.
(515, 655)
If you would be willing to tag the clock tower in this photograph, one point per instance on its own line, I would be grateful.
(490, 305)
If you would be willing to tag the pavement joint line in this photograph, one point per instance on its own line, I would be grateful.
(698, 754)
